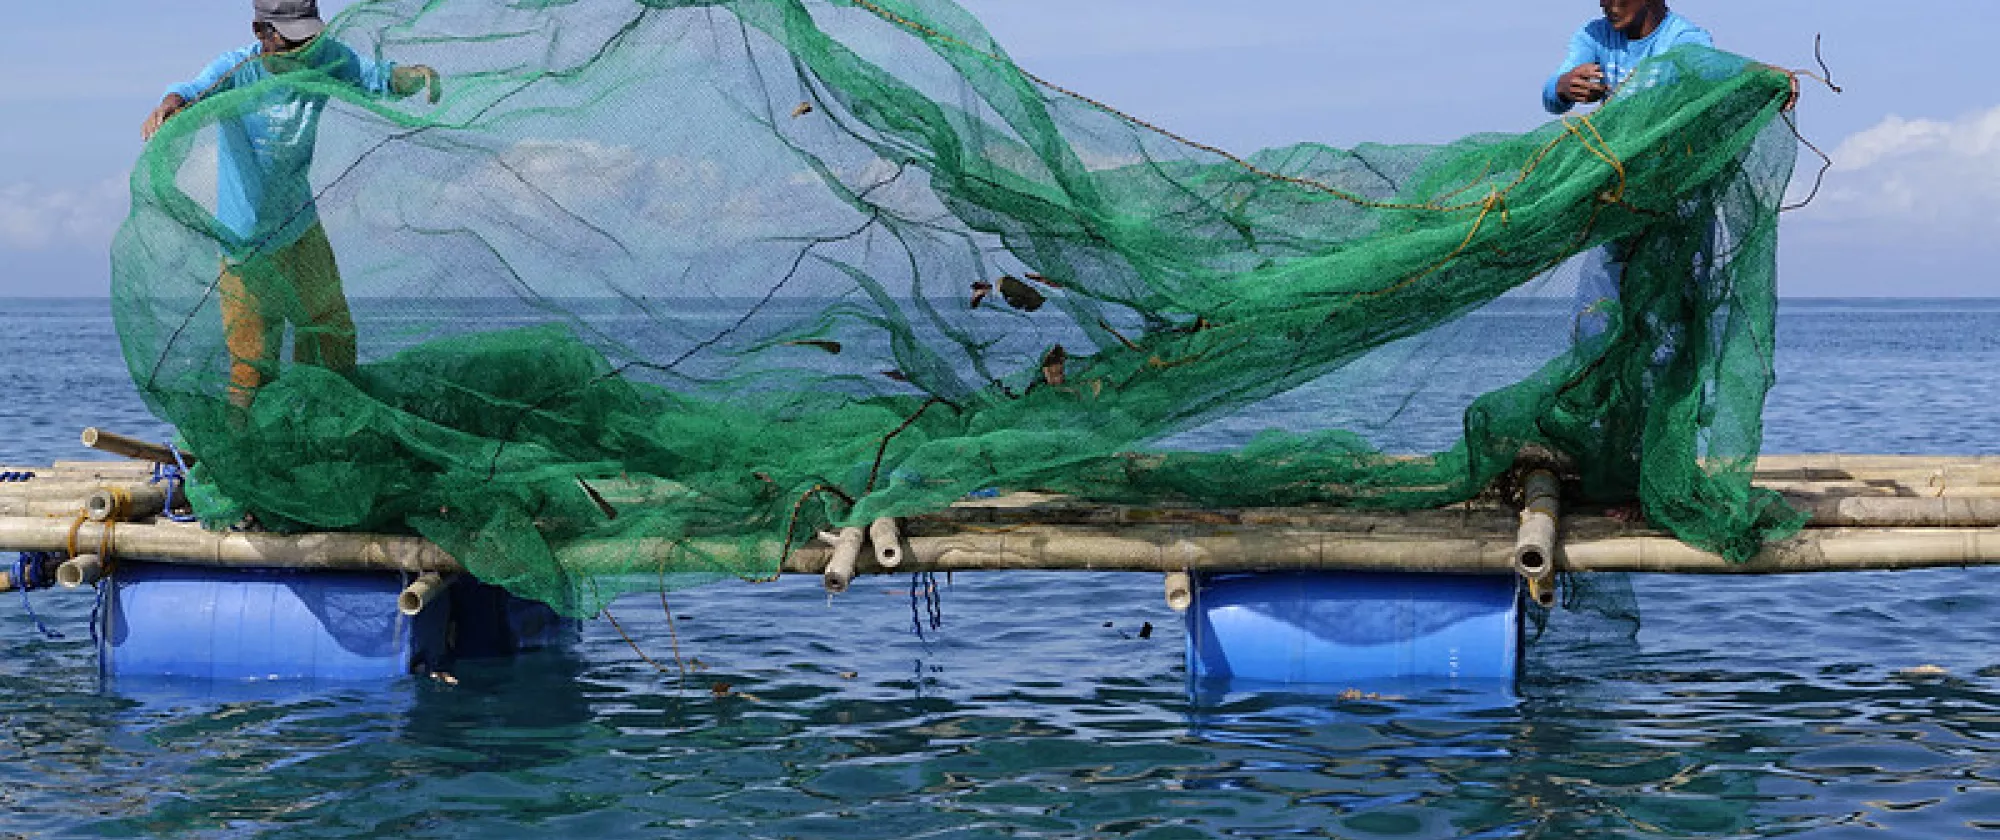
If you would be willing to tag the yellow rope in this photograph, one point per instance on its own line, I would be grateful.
(73, 528)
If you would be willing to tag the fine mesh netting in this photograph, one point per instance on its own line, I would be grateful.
(660, 288)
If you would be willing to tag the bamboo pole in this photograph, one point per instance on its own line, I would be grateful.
(1179, 588)
(76, 487)
(142, 450)
(1822, 550)
(887, 538)
(191, 545)
(81, 570)
(54, 506)
(71, 498)
(108, 467)
(1844, 511)
(1872, 463)
(419, 594)
(1160, 549)
(844, 559)
(121, 504)
(1536, 542)
(127, 471)
(1886, 489)
(1173, 549)
(1925, 476)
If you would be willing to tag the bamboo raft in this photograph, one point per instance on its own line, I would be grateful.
(1869, 512)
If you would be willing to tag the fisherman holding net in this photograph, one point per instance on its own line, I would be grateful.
(278, 266)
(1602, 57)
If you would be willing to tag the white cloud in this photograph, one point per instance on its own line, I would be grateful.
(1943, 175)
(34, 218)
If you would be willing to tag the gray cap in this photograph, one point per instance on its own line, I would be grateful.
(297, 20)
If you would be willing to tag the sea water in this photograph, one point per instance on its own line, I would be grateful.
(1042, 706)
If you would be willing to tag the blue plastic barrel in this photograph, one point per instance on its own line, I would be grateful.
(1354, 630)
(162, 620)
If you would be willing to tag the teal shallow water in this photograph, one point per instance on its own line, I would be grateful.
(1730, 708)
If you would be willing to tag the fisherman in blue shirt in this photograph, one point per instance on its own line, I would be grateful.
(277, 264)
(1604, 52)
(1602, 56)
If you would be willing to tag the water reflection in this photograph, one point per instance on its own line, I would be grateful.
(1718, 715)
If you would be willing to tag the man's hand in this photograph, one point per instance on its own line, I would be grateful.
(1584, 84)
(404, 81)
(168, 107)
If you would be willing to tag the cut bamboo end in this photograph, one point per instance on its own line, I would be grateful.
(419, 594)
(846, 553)
(123, 503)
(887, 537)
(1179, 591)
(1542, 590)
(81, 570)
(1536, 542)
(130, 447)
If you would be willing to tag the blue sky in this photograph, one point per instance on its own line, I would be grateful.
(1911, 209)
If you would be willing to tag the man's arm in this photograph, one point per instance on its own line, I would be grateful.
(383, 77)
(169, 106)
(214, 77)
(1580, 79)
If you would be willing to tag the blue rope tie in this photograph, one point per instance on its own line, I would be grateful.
(924, 585)
(175, 475)
(29, 573)
(97, 609)
(11, 477)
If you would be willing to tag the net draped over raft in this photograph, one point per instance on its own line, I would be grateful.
(659, 288)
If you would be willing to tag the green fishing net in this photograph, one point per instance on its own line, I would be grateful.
(657, 289)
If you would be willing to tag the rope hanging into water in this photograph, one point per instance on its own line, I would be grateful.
(924, 585)
(31, 572)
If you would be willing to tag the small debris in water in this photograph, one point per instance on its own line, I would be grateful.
(1146, 630)
(720, 689)
(848, 675)
(1923, 671)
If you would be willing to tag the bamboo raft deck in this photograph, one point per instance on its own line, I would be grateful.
(1869, 512)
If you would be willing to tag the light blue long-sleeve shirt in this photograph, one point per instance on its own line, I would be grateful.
(263, 195)
(1598, 43)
